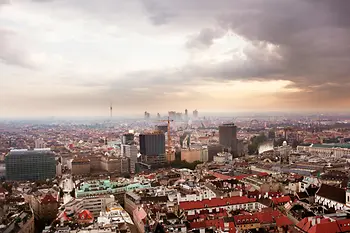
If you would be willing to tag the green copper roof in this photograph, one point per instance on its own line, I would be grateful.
(338, 145)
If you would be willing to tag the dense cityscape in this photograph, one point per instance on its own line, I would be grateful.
(174, 116)
(177, 173)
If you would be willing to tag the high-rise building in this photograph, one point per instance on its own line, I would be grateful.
(128, 139)
(152, 143)
(195, 114)
(37, 164)
(147, 115)
(228, 137)
(152, 148)
(131, 153)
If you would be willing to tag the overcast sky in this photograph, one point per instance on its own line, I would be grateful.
(75, 57)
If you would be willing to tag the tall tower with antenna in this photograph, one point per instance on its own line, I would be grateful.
(111, 110)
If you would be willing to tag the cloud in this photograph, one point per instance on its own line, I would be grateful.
(13, 51)
(309, 38)
(205, 38)
(168, 47)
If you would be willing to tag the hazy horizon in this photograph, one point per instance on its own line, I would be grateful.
(75, 57)
(232, 115)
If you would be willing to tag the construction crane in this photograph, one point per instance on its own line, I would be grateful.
(169, 136)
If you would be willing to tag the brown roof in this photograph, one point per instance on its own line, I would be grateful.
(332, 193)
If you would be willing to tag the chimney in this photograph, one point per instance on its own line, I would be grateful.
(313, 222)
(318, 220)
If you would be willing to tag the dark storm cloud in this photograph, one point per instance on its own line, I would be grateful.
(312, 38)
(205, 38)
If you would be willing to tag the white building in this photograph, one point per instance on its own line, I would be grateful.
(215, 204)
(326, 150)
(94, 204)
(201, 194)
(223, 157)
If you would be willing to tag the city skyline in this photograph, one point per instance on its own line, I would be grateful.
(74, 58)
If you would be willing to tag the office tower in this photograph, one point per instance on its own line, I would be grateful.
(147, 115)
(158, 115)
(152, 148)
(37, 164)
(228, 137)
(131, 152)
(195, 114)
(152, 143)
(128, 139)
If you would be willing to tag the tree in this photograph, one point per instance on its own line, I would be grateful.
(255, 142)
(185, 164)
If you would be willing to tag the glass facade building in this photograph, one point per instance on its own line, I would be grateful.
(33, 165)
(152, 144)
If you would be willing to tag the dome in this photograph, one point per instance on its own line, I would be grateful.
(284, 143)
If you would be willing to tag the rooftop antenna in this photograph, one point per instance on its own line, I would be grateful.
(111, 110)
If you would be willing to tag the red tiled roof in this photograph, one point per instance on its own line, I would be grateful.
(306, 223)
(48, 198)
(217, 223)
(329, 227)
(220, 176)
(281, 200)
(283, 221)
(215, 202)
(245, 219)
(344, 225)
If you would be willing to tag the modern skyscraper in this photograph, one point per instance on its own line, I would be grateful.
(152, 143)
(37, 164)
(228, 137)
(147, 115)
(195, 114)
